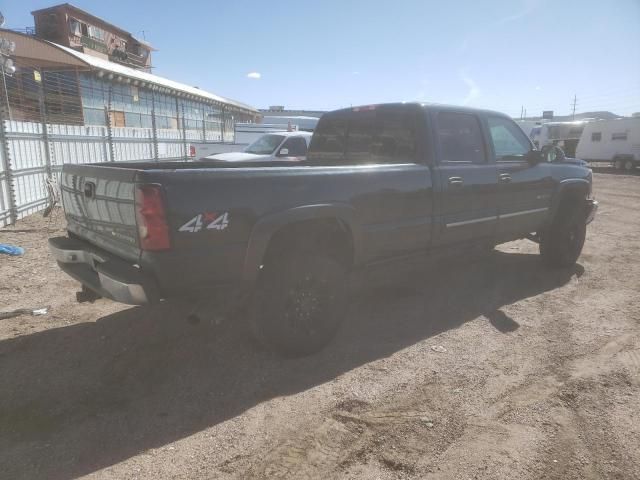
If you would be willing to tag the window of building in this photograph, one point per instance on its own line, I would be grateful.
(117, 118)
(460, 138)
(596, 136)
(97, 33)
(619, 136)
(75, 27)
(509, 141)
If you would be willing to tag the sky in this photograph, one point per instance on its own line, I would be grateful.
(504, 55)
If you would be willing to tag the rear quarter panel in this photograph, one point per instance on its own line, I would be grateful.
(391, 209)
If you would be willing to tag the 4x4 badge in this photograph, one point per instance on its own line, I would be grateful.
(207, 220)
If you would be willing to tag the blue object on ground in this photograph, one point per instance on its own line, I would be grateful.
(11, 249)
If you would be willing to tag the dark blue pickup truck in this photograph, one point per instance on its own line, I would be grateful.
(382, 185)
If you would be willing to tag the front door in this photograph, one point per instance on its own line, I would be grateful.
(525, 190)
(468, 180)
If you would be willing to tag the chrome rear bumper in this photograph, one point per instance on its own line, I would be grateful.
(103, 273)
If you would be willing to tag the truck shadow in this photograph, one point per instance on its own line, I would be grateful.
(80, 398)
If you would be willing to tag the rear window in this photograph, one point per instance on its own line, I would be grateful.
(368, 136)
(329, 138)
(381, 136)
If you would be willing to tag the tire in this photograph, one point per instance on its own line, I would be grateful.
(629, 165)
(300, 303)
(561, 244)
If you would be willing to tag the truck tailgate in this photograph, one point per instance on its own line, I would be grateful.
(99, 204)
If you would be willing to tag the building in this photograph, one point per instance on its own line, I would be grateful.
(74, 28)
(280, 111)
(83, 81)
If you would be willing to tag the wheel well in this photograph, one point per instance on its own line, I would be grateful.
(330, 236)
(572, 196)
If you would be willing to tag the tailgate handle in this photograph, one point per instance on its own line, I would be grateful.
(89, 190)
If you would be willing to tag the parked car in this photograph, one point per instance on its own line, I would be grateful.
(283, 146)
(615, 142)
(244, 134)
(383, 186)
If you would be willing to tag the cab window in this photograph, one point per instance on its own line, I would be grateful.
(460, 138)
(380, 135)
(297, 147)
(509, 141)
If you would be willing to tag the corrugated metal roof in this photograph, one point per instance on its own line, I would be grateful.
(117, 69)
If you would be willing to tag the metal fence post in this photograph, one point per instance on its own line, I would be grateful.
(45, 130)
(107, 118)
(154, 128)
(6, 165)
(222, 125)
(184, 136)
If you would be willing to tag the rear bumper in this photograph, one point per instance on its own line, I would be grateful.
(105, 274)
(592, 208)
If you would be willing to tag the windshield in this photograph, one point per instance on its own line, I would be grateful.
(265, 145)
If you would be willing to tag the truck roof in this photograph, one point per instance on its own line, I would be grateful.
(424, 106)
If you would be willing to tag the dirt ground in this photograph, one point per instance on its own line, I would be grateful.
(538, 376)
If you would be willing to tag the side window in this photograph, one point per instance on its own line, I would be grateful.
(328, 141)
(596, 136)
(509, 141)
(460, 138)
(381, 136)
(618, 136)
(297, 147)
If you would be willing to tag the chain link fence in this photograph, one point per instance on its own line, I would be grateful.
(52, 117)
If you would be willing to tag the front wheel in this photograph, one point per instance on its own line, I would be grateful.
(300, 303)
(629, 165)
(561, 244)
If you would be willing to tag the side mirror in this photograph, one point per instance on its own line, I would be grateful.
(283, 152)
(535, 157)
(553, 153)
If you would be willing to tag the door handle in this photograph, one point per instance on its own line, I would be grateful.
(456, 181)
(505, 178)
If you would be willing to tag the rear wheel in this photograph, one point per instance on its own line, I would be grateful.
(629, 165)
(300, 303)
(561, 244)
(618, 164)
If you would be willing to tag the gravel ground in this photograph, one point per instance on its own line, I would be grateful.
(538, 376)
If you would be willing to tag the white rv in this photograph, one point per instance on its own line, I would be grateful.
(563, 134)
(612, 141)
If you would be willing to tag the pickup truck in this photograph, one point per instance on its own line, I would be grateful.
(382, 185)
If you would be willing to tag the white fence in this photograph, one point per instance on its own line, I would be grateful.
(32, 152)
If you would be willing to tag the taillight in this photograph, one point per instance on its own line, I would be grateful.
(153, 229)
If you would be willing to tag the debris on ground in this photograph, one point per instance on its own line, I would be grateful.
(11, 250)
(24, 311)
(438, 348)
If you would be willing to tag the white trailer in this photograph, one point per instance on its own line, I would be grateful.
(615, 142)
(562, 134)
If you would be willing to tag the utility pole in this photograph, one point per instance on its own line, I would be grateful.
(521, 112)
(575, 101)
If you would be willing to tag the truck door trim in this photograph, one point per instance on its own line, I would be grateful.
(473, 220)
(523, 212)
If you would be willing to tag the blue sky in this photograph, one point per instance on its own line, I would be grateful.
(500, 54)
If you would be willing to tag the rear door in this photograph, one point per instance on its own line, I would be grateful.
(99, 204)
(468, 179)
(524, 194)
